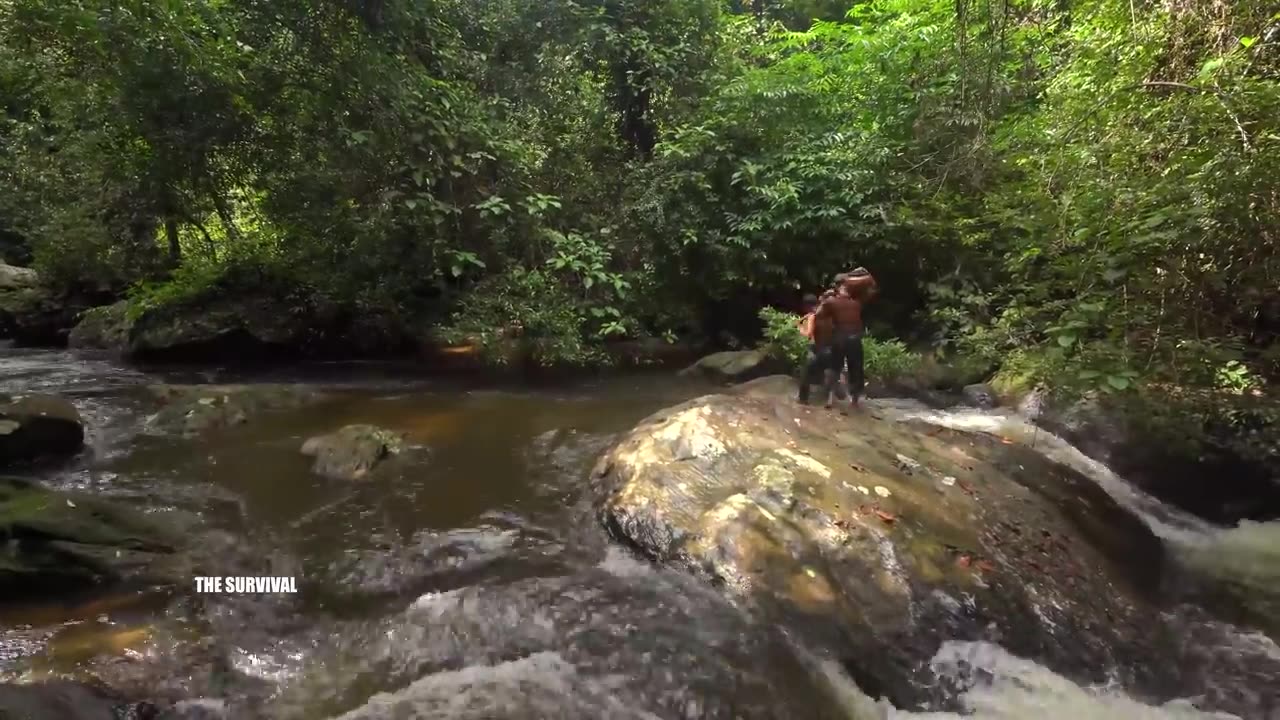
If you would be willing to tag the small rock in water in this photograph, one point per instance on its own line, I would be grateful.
(948, 481)
(883, 491)
(907, 463)
(863, 490)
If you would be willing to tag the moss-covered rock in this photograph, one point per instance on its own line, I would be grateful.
(224, 323)
(190, 410)
(352, 452)
(30, 313)
(35, 427)
(733, 366)
(879, 539)
(102, 328)
(56, 542)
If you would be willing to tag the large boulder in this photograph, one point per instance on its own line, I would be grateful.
(226, 325)
(102, 328)
(34, 427)
(877, 540)
(733, 366)
(352, 452)
(191, 410)
(59, 542)
(29, 313)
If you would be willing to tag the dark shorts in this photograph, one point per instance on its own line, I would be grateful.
(846, 354)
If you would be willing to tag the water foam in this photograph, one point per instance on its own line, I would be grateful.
(542, 684)
(993, 684)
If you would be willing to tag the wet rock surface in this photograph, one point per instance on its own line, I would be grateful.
(62, 700)
(878, 539)
(353, 451)
(57, 542)
(34, 427)
(190, 410)
(559, 647)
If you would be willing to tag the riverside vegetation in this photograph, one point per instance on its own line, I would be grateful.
(1078, 196)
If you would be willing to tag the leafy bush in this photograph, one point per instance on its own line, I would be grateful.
(524, 314)
(782, 337)
(887, 359)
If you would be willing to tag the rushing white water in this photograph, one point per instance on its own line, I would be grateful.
(992, 684)
(1166, 522)
(1249, 552)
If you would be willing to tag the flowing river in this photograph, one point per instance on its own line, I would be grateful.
(478, 583)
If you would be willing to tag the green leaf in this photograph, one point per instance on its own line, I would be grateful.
(1066, 341)
(1248, 41)
(411, 203)
(1118, 382)
(456, 270)
(1211, 65)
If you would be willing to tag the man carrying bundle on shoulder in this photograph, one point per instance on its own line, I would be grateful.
(844, 312)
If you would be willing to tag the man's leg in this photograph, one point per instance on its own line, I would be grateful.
(809, 374)
(857, 370)
(831, 387)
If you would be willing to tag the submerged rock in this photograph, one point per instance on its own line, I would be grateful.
(733, 366)
(979, 395)
(352, 452)
(63, 700)
(38, 426)
(102, 328)
(194, 409)
(878, 540)
(59, 542)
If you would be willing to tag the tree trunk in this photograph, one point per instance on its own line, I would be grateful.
(171, 233)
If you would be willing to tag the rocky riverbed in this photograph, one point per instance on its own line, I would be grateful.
(472, 551)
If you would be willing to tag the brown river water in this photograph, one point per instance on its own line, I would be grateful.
(477, 583)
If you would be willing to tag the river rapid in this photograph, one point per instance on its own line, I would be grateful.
(478, 584)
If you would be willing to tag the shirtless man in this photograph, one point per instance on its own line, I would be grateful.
(844, 311)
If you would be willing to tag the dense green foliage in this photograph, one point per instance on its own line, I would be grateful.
(1085, 193)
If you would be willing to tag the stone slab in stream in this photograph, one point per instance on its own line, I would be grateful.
(194, 409)
(350, 453)
(878, 540)
(732, 366)
(58, 542)
(38, 426)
